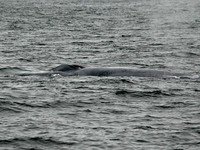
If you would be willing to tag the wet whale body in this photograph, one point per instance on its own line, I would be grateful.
(77, 70)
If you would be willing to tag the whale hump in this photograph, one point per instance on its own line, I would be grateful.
(66, 67)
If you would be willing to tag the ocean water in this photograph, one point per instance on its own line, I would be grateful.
(93, 113)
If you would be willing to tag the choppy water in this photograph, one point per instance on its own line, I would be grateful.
(99, 112)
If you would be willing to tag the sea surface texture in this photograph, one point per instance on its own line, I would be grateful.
(99, 113)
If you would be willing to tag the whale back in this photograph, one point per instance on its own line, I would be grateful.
(66, 67)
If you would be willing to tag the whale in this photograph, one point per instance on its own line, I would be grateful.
(77, 70)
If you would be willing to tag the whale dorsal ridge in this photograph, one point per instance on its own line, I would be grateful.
(66, 67)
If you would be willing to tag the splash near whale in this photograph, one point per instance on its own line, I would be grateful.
(77, 70)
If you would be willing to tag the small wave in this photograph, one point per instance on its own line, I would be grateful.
(41, 104)
(45, 104)
(173, 105)
(80, 43)
(164, 107)
(142, 141)
(17, 107)
(155, 93)
(10, 69)
(114, 111)
(6, 106)
(156, 44)
(127, 81)
(22, 104)
(36, 141)
(11, 109)
(144, 127)
(181, 104)
(192, 54)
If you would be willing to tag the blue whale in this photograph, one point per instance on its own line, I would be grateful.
(77, 70)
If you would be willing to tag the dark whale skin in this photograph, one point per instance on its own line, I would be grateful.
(76, 70)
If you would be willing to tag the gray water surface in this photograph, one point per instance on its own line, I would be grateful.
(99, 112)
